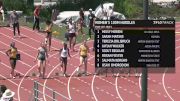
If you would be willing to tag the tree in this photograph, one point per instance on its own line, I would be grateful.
(14, 5)
(133, 8)
(119, 6)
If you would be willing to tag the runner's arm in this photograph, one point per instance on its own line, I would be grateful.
(37, 55)
(88, 51)
(8, 52)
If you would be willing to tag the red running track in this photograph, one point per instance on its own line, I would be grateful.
(162, 86)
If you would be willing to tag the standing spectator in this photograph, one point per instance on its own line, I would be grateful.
(2, 90)
(91, 18)
(2, 12)
(54, 14)
(64, 52)
(84, 52)
(72, 34)
(81, 13)
(42, 57)
(7, 95)
(48, 30)
(36, 17)
(12, 54)
(81, 23)
(14, 18)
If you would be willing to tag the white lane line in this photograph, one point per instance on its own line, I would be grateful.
(117, 90)
(68, 88)
(26, 28)
(44, 94)
(177, 40)
(20, 51)
(10, 67)
(92, 88)
(31, 38)
(18, 41)
(163, 81)
(11, 82)
(19, 86)
(102, 90)
(77, 90)
(69, 80)
(19, 98)
(140, 82)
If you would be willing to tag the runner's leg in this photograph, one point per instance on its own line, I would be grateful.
(70, 42)
(44, 68)
(18, 29)
(85, 65)
(14, 29)
(74, 42)
(65, 65)
(39, 67)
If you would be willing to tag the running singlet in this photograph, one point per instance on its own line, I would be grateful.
(48, 29)
(13, 53)
(42, 53)
(83, 50)
(64, 53)
(71, 28)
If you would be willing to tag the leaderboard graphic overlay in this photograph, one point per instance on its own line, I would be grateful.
(135, 43)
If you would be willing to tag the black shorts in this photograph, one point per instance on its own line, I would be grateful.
(49, 34)
(64, 60)
(84, 56)
(13, 62)
(72, 35)
(41, 58)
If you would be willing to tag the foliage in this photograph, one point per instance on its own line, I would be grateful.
(157, 11)
(130, 8)
(119, 6)
(14, 5)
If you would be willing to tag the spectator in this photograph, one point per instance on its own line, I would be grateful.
(2, 12)
(14, 18)
(81, 13)
(7, 95)
(36, 17)
(2, 90)
(91, 18)
(81, 23)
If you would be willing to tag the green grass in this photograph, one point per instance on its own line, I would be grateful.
(61, 30)
(178, 19)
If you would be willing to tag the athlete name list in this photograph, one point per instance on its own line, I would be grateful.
(132, 44)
